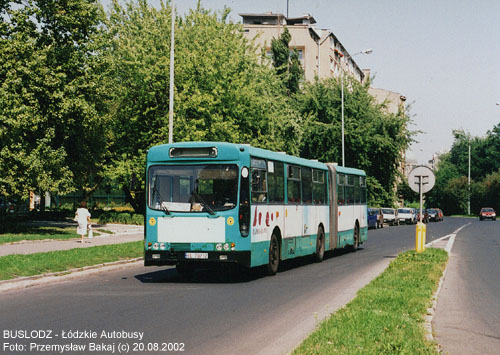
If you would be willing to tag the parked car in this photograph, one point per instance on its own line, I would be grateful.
(425, 216)
(406, 215)
(375, 218)
(390, 216)
(433, 214)
(487, 213)
(372, 218)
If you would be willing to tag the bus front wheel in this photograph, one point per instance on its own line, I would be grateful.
(274, 256)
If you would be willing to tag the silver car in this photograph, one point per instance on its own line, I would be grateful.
(406, 215)
(390, 216)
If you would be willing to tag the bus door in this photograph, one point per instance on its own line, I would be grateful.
(309, 211)
(332, 194)
(294, 227)
(259, 196)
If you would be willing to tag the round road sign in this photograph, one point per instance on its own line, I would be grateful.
(422, 174)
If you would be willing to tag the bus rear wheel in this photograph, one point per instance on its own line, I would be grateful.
(274, 256)
(355, 245)
(320, 245)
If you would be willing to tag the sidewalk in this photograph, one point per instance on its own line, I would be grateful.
(122, 233)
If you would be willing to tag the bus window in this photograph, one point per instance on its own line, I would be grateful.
(357, 191)
(276, 183)
(194, 188)
(319, 187)
(349, 190)
(362, 183)
(259, 181)
(293, 185)
(306, 186)
(340, 189)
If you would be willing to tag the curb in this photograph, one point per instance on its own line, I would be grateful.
(37, 280)
(431, 311)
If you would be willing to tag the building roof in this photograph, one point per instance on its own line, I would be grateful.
(306, 19)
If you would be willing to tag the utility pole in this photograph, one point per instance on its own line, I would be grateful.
(468, 192)
(171, 94)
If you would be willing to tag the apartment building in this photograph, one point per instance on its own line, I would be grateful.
(320, 51)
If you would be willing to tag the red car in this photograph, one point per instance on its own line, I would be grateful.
(487, 212)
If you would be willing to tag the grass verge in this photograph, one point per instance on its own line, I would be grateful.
(16, 265)
(387, 315)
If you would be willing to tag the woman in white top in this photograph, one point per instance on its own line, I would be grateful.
(82, 216)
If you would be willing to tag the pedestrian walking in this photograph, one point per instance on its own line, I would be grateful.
(82, 216)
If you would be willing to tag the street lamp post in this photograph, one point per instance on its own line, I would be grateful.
(366, 51)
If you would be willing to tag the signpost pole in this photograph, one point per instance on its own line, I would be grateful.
(421, 180)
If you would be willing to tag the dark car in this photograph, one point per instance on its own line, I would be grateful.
(433, 214)
(372, 218)
(425, 216)
(487, 213)
(375, 218)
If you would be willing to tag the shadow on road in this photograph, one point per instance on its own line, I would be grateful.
(229, 273)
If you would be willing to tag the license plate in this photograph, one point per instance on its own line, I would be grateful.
(196, 255)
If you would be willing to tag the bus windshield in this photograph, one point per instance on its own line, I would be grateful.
(193, 188)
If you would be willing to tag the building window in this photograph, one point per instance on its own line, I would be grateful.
(300, 53)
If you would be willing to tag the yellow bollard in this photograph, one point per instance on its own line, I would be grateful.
(420, 237)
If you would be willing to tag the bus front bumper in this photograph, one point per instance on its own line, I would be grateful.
(165, 257)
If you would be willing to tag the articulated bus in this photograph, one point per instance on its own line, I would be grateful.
(233, 203)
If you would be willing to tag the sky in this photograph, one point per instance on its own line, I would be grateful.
(443, 55)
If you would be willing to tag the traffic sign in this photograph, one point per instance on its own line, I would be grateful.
(421, 176)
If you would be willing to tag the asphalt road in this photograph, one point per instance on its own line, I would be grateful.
(467, 319)
(214, 313)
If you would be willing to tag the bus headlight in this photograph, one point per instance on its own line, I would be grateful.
(155, 246)
(226, 247)
(162, 246)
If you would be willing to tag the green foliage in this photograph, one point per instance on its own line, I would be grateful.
(451, 190)
(222, 93)
(85, 94)
(374, 139)
(52, 114)
(406, 193)
(121, 217)
(286, 62)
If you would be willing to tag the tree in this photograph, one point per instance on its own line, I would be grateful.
(52, 108)
(452, 171)
(374, 139)
(287, 62)
(222, 92)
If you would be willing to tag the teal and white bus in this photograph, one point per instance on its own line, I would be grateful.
(233, 203)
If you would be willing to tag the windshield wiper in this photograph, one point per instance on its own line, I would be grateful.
(156, 191)
(203, 203)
